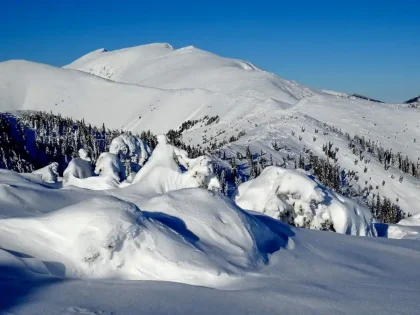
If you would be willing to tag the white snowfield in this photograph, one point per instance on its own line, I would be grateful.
(74, 251)
(86, 245)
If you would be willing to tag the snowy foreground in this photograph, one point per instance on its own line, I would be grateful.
(71, 250)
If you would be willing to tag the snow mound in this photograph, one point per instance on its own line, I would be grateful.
(108, 165)
(79, 172)
(397, 231)
(411, 221)
(162, 172)
(189, 236)
(93, 182)
(78, 168)
(132, 149)
(294, 198)
(48, 173)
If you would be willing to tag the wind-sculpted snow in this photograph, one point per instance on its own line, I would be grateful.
(253, 263)
(162, 172)
(205, 240)
(79, 173)
(131, 148)
(109, 165)
(293, 197)
(408, 228)
(48, 173)
(77, 168)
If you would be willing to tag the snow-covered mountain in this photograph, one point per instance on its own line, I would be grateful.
(163, 86)
(161, 66)
(157, 87)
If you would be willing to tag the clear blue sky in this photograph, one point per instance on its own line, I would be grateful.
(370, 47)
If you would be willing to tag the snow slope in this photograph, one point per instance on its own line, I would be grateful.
(30, 86)
(239, 262)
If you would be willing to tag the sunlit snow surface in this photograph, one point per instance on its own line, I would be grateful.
(76, 251)
(81, 251)
(158, 87)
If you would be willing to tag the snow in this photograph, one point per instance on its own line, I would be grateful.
(109, 165)
(48, 173)
(158, 87)
(94, 182)
(413, 220)
(397, 231)
(162, 173)
(129, 147)
(160, 238)
(87, 247)
(292, 197)
(82, 251)
(408, 228)
(79, 173)
(162, 67)
(108, 238)
(84, 155)
(78, 168)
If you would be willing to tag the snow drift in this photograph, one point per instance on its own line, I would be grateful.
(411, 221)
(408, 228)
(205, 240)
(294, 198)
